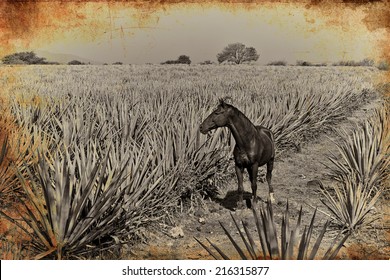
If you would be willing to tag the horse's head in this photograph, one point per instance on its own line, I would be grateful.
(218, 118)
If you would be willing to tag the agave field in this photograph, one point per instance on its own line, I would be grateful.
(93, 156)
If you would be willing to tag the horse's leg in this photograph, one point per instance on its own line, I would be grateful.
(270, 167)
(252, 170)
(240, 175)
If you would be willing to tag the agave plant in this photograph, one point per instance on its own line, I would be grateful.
(351, 203)
(70, 208)
(78, 200)
(292, 243)
(364, 154)
(361, 174)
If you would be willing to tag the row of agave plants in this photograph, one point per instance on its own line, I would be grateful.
(361, 171)
(97, 181)
(95, 168)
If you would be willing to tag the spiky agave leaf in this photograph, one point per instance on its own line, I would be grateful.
(260, 231)
(222, 254)
(285, 232)
(5, 178)
(253, 248)
(293, 236)
(270, 233)
(248, 244)
(235, 244)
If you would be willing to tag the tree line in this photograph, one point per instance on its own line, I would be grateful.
(235, 53)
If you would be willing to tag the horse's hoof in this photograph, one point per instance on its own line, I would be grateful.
(255, 200)
(272, 198)
(240, 206)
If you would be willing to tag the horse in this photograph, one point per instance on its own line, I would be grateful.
(255, 146)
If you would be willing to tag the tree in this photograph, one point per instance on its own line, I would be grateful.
(184, 59)
(24, 58)
(237, 53)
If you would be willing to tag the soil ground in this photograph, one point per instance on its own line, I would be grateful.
(295, 178)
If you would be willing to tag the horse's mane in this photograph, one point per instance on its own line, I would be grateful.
(239, 113)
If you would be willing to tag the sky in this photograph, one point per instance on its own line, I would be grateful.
(118, 31)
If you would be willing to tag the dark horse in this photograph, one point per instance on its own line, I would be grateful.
(254, 145)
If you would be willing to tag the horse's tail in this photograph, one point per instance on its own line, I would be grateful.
(271, 135)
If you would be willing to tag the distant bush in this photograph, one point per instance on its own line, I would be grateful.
(170, 62)
(383, 65)
(117, 63)
(306, 63)
(183, 59)
(76, 62)
(365, 62)
(206, 62)
(278, 63)
(303, 63)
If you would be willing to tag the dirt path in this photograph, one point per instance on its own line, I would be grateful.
(294, 180)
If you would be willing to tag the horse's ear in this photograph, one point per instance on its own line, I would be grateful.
(222, 102)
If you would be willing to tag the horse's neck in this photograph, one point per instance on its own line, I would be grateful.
(242, 129)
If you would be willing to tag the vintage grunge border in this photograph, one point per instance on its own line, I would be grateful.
(25, 21)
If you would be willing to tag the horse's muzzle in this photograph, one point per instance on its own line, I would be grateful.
(203, 130)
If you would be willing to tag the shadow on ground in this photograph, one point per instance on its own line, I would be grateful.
(231, 199)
